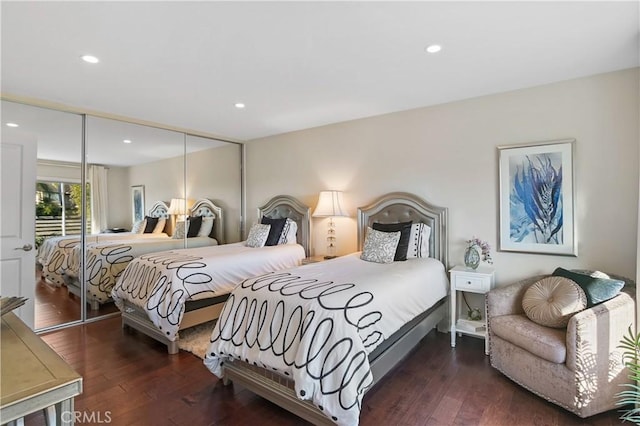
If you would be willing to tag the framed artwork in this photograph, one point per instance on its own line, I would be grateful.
(537, 205)
(137, 202)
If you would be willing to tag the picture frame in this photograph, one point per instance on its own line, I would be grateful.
(137, 203)
(537, 198)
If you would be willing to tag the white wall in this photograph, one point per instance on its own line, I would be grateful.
(213, 173)
(447, 154)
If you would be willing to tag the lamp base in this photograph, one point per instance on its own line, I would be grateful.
(330, 257)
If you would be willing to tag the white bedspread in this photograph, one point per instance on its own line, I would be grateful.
(162, 282)
(55, 253)
(318, 323)
(105, 262)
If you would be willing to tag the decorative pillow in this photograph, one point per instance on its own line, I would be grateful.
(597, 288)
(405, 234)
(195, 222)
(150, 224)
(419, 241)
(380, 247)
(138, 227)
(206, 227)
(159, 229)
(258, 235)
(180, 231)
(552, 301)
(289, 232)
(277, 225)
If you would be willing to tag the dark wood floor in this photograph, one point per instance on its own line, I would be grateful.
(54, 305)
(131, 378)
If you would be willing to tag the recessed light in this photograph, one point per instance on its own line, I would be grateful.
(239, 105)
(12, 125)
(433, 48)
(127, 141)
(90, 59)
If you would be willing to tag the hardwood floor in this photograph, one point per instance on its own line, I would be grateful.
(130, 379)
(54, 305)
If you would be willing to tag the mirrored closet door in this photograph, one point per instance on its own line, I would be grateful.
(214, 172)
(124, 199)
(58, 206)
(133, 172)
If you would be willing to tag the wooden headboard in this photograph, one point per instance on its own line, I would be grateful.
(286, 206)
(403, 207)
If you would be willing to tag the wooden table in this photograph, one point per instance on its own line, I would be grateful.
(33, 377)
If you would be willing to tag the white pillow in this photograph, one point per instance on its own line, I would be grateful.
(258, 235)
(138, 227)
(289, 232)
(159, 229)
(206, 227)
(419, 241)
(180, 230)
(380, 247)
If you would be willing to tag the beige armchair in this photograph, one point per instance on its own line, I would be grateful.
(578, 368)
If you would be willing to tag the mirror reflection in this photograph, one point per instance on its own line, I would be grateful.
(58, 205)
(141, 184)
(214, 172)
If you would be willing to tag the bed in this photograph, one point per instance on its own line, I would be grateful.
(106, 261)
(55, 255)
(315, 338)
(162, 293)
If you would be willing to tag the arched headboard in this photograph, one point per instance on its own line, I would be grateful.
(160, 210)
(206, 208)
(403, 207)
(286, 206)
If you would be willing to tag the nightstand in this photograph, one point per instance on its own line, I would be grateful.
(478, 281)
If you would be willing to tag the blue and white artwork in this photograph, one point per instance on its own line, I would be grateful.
(535, 198)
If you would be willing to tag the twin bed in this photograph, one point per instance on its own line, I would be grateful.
(56, 254)
(107, 255)
(314, 339)
(161, 293)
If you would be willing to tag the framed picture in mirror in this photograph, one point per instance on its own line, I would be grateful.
(137, 202)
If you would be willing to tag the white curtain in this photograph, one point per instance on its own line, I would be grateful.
(99, 200)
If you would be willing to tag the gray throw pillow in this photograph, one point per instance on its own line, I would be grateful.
(380, 247)
(258, 235)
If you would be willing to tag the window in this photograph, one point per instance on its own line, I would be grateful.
(58, 209)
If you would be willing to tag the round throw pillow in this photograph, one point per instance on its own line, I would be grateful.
(553, 300)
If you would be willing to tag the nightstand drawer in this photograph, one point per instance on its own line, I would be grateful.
(472, 283)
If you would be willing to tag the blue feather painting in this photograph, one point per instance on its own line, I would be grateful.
(535, 198)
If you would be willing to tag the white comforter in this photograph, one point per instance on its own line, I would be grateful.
(162, 282)
(105, 262)
(317, 324)
(55, 253)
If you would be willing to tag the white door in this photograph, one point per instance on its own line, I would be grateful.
(17, 220)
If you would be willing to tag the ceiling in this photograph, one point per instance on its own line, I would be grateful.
(298, 65)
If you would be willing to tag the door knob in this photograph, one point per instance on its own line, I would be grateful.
(26, 247)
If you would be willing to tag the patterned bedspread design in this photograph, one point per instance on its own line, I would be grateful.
(105, 262)
(320, 335)
(56, 253)
(162, 282)
(317, 324)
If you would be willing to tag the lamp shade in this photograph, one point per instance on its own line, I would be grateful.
(178, 206)
(330, 203)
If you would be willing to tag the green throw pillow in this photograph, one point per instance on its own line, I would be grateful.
(597, 290)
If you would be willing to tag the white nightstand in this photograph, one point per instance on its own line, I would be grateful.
(479, 281)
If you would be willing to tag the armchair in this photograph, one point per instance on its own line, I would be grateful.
(578, 368)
